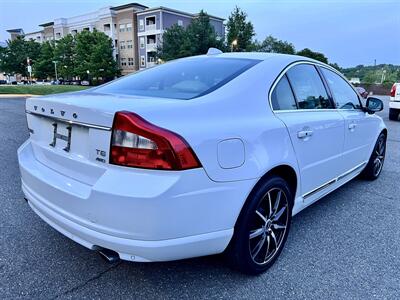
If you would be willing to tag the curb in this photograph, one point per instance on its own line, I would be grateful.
(17, 95)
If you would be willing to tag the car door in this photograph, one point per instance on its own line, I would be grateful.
(316, 130)
(360, 127)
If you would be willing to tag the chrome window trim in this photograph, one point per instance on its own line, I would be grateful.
(61, 120)
(291, 65)
(312, 110)
(334, 180)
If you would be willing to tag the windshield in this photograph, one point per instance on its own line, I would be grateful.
(180, 79)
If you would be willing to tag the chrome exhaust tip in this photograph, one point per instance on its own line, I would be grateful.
(109, 255)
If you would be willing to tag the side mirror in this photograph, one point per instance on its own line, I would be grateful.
(373, 105)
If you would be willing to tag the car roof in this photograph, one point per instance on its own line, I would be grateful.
(264, 56)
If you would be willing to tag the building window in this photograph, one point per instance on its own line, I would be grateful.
(121, 27)
(180, 23)
(107, 27)
(129, 44)
(123, 61)
(141, 41)
(142, 61)
(141, 24)
(151, 39)
(129, 27)
(130, 61)
(122, 45)
(150, 23)
(86, 29)
(73, 32)
(58, 35)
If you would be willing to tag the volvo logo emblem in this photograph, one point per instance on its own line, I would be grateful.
(52, 111)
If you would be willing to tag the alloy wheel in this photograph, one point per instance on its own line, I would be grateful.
(268, 226)
(379, 156)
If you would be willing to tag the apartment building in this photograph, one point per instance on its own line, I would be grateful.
(152, 23)
(135, 29)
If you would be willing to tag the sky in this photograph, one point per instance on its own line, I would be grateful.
(348, 32)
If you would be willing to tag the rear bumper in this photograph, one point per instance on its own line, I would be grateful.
(179, 215)
(394, 104)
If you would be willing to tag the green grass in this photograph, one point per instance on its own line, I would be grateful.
(40, 89)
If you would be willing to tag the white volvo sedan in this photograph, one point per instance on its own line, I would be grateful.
(198, 156)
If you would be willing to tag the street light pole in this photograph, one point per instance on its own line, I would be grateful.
(55, 68)
(234, 43)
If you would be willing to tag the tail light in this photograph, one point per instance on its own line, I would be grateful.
(393, 91)
(138, 143)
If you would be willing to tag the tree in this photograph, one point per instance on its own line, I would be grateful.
(336, 66)
(240, 32)
(14, 56)
(273, 45)
(102, 63)
(201, 35)
(94, 56)
(196, 39)
(44, 66)
(172, 46)
(314, 55)
(64, 54)
(371, 77)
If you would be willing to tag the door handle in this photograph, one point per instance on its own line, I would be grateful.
(304, 133)
(352, 126)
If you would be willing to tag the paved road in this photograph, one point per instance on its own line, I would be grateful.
(346, 246)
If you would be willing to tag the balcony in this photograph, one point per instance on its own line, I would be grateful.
(151, 47)
(150, 27)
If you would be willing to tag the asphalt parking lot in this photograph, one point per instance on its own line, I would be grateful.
(346, 246)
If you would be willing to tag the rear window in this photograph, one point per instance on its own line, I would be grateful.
(181, 79)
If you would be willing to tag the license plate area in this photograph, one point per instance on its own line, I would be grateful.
(62, 135)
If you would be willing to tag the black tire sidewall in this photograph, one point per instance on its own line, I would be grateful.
(239, 247)
(394, 114)
(368, 172)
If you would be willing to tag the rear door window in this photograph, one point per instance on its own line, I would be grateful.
(282, 97)
(308, 87)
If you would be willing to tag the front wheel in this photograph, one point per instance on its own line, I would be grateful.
(262, 228)
(375, 163)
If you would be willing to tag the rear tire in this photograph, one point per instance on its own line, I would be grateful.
(375, 163)
(394, 114)
(262, 227)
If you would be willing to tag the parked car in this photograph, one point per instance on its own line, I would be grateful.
(43, 82)
(198, 156)
(3, 81)
(85, 82)
(394, 103)
(363, 93)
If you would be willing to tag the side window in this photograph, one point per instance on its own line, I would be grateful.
(282, 97)
(344, 96)
(308, 87)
